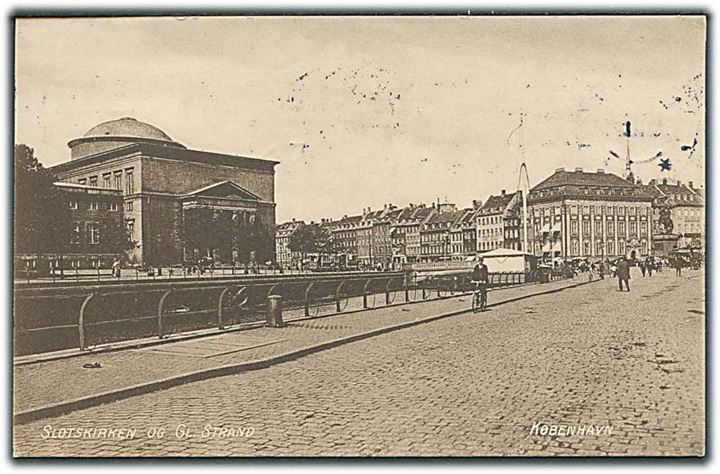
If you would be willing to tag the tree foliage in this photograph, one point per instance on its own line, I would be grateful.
(311, 238)
(42, 217)
(115, 237)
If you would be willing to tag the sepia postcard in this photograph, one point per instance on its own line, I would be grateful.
(359, 236)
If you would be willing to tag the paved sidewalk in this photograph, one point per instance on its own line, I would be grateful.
(48, 384)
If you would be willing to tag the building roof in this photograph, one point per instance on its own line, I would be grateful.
(86, 188)
(496, 204)
(673, 194)
(582, 178)
(127, 127)
(469, 216)
(155, 150)
(350, 219)
(651, 190)
(675, 189)
(503, 252)
(290, 224)
(287, 228)
(586, 185)
(446, 217)
(422, 213)
(225, 189)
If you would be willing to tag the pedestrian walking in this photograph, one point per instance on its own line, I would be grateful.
(116, 268)
(623, 273)
(642, 267)
(678, 266)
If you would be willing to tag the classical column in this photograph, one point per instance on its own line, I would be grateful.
(592, 230)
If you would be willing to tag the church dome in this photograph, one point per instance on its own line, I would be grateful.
(127, 127)
(118, 133)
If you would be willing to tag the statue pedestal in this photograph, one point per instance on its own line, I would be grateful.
(663, 244)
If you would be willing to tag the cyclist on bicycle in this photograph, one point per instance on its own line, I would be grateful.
(480, 278)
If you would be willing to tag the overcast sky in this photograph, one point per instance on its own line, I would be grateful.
(366, 111)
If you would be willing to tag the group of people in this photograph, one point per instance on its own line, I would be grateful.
(649, 265)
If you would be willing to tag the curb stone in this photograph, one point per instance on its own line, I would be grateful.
(57, 409)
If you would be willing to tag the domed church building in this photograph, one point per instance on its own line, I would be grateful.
(178, 204)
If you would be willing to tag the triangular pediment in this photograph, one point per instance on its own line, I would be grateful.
(227, 190)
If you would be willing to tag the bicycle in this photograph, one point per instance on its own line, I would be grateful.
(479, 300)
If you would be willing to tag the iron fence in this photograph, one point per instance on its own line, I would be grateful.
(84, 318)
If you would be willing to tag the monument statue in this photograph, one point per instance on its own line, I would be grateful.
(665, 221)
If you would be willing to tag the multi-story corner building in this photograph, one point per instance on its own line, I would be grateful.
(163, 183)
(589, 215)
(98, 230)
(498, 222)
(285, 257)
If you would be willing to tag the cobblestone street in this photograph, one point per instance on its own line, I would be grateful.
(468, 385)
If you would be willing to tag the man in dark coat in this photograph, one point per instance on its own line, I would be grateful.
(623, 273)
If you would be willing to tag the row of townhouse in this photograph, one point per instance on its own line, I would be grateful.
(392, 236)
(570, 214)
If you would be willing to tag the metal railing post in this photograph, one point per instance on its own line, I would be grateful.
(220, 307)
(81, 320)
(161, 305)
(387, 292)
(365, 294)
(307, 299)
(337, 296)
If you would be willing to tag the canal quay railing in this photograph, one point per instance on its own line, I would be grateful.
(51, 318)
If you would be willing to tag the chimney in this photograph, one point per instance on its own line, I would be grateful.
(653, 182)
(600, 170)
(502, 193)
(664, 181)
(690, 184)
(293, 219)
(578, 170)
(557, 170)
